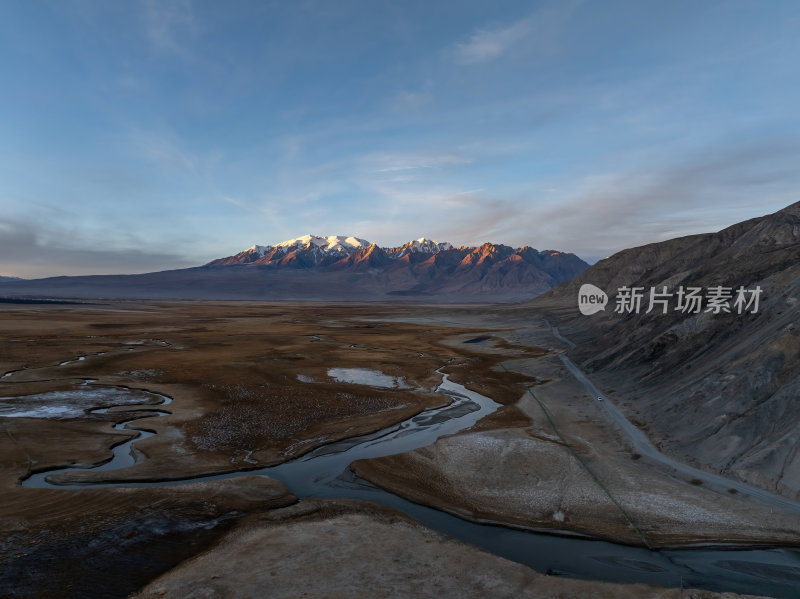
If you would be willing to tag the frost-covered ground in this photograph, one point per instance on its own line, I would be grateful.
(72, 403)
(368, 376)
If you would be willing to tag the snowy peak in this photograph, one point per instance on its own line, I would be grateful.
(338, 244)
(422, 245)
(425, 244)
(301, 252)
(258, 249)
(437, 259)
(318, 249)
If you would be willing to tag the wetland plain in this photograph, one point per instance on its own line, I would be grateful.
(210, 404)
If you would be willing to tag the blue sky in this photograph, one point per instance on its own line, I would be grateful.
(139, 136)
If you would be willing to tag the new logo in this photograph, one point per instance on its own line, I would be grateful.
(591, 299)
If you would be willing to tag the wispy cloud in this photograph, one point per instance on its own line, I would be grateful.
(486, 45)
(237, 203)
(596, 214)
(256, 208)
(168, 151)
(32, 249)
(603, 213)
(543, 26)
(165, 151)
(412, 100)
(552, 123)
(167, 22)
(391, 163)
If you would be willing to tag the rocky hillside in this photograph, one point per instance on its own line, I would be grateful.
(721, 390)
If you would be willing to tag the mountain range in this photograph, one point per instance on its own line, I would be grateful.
(338, 268)
(313, 250)
(721, 391)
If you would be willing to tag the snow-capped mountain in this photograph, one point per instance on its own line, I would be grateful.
(314, 250)
(340, 268)
(422, 267)
(4, 279)
(332, 244)
(308, 250)
(423, 245)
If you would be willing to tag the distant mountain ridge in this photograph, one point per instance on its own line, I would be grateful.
(421, 267)
(421, 245)
(316, 250)
(338, 268)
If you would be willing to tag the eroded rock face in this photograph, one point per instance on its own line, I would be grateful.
(339, 553)
(718, 390)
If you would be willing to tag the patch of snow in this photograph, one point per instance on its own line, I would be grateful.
(78, 359)
(333, 244)
(345, 245)
(423, 245)
(366, 376)
(259, 249)
(41, 412)
(72, 403)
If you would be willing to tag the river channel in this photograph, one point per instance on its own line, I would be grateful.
(325, 473)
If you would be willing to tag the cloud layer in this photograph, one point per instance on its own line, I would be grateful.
(33, 252)
(161, 134)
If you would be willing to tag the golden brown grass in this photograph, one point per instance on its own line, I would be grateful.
(232, 369)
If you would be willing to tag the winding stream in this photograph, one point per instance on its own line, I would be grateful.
(325, 473)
